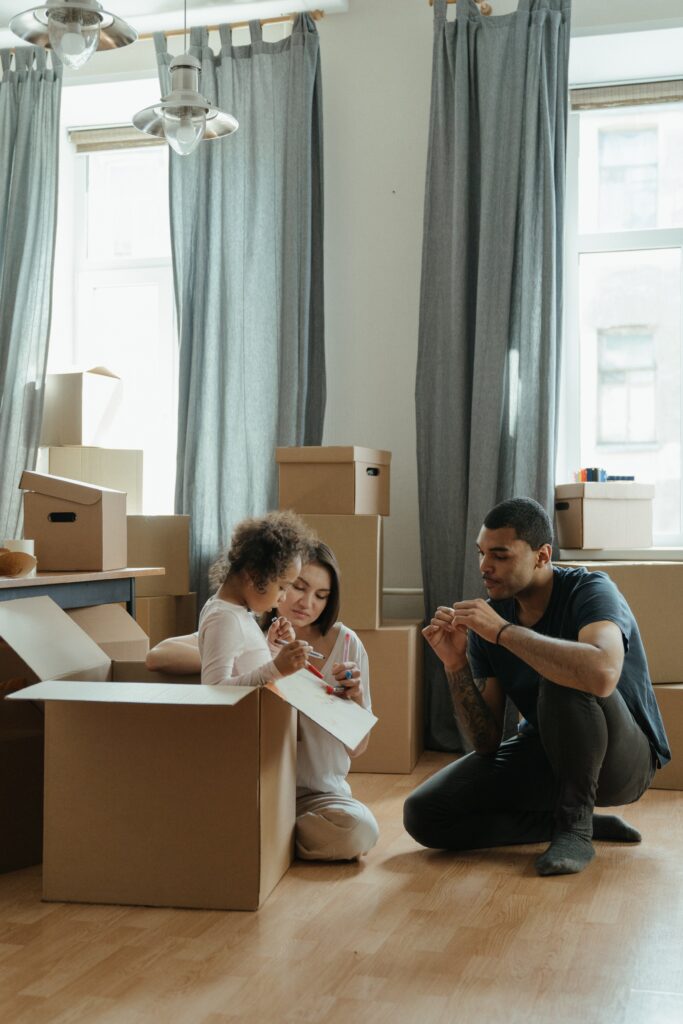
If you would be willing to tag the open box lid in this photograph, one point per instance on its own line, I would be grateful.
(61, 487)
(333, 453)
(49, 642)
(134, 693)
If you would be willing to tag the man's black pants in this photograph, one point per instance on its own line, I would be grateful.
(588, 751)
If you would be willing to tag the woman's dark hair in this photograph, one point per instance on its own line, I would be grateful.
(526, 517)
(323, 556)
(264, 547)
(319, 554)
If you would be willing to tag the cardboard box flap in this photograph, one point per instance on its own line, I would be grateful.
(332, 453)
(107, 622)
(343, 719)
(623, 490)
(47, 640)
(102, 371)
(134, 693)
(60, 487)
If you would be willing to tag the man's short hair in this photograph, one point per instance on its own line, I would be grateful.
(526, 517)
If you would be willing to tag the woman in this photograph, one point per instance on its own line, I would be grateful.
(330, 823)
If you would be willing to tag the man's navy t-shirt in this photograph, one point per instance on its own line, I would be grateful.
(578, 598)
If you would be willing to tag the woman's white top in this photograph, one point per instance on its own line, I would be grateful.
(232, 647)
(323, 762)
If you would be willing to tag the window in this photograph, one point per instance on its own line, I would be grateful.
(622, 389)
(116, 302)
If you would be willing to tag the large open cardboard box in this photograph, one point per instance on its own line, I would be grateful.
(37, 641)
(160, 540)
(79, 407)
(395, 653)
(329, 480)
(159, 795)
(75, 526)
(604, 515)
(357, 544)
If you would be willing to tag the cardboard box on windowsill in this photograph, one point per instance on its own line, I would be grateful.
(79, 406)
(611, 514)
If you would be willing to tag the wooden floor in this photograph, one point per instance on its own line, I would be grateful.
(406, 937)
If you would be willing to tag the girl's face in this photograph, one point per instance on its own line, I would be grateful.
(275, 591)
(305, 601)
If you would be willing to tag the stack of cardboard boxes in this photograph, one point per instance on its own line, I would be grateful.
(343, 494)
(164, 604)
(78, 409)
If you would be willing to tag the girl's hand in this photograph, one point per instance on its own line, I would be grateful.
(281, 631)
(292, 657)
(347, 674)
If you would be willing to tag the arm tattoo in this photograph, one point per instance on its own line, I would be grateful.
(471, 711)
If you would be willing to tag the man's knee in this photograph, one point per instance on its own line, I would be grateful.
(418, 818)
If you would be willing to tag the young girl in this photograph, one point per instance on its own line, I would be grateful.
(254, 574)
(330, 824)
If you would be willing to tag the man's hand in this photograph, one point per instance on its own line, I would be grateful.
(479, 616)
(446, 638)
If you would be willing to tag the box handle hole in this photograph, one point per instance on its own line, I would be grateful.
(62, 517)
(372, 471)
(561, 506)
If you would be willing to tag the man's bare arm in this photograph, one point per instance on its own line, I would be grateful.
(479, 718)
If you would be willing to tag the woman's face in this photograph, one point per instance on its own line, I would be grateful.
(306, 599)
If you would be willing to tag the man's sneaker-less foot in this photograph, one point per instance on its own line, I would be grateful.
(569, 853)
(613, 829)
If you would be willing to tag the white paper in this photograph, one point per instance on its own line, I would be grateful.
(133, 693)
(343, 719)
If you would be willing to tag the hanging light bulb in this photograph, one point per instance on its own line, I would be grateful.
(74, 29)
(184, 117)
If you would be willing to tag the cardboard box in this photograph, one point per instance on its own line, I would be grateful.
(37, 641)
(395, 653)
(79, 407)
(357, 544)
(75, 526)
(137, 672)
(670, 700)
(161, 617)
(113, 630)
(120, 469)
(155, 795)
(654, 592)
(160, 540)
(604, 515)
(345, 480)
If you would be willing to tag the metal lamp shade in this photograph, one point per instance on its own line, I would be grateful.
(32, 25)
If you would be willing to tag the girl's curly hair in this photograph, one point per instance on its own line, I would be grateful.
(264, 546)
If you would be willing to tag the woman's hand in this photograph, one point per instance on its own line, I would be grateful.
(280, 631)
(347, 674)
(292, 657)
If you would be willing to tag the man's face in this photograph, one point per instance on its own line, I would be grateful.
(509, 566)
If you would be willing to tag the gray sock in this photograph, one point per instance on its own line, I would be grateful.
(569, 853)
(613, 829)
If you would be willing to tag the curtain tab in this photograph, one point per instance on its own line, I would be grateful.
(160, 44)
(6, 61)
(225, 32)
(255, 32)
(199, 41)
(440, 10)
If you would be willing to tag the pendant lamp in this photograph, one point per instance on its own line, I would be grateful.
(184, 117)
(74, 29)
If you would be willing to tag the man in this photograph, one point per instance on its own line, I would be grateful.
(563, 645)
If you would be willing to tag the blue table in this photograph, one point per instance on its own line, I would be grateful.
(80, 589)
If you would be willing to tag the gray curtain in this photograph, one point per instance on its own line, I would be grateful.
(247, 234)
(30, 94)
(490, 305)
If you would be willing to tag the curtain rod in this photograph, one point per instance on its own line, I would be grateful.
(484, 7)
(316, 15)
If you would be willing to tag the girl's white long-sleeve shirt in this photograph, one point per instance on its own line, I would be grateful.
(232, 647)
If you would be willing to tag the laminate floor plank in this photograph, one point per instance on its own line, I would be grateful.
(406, 936)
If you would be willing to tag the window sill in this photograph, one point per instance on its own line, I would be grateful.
(622, 555)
